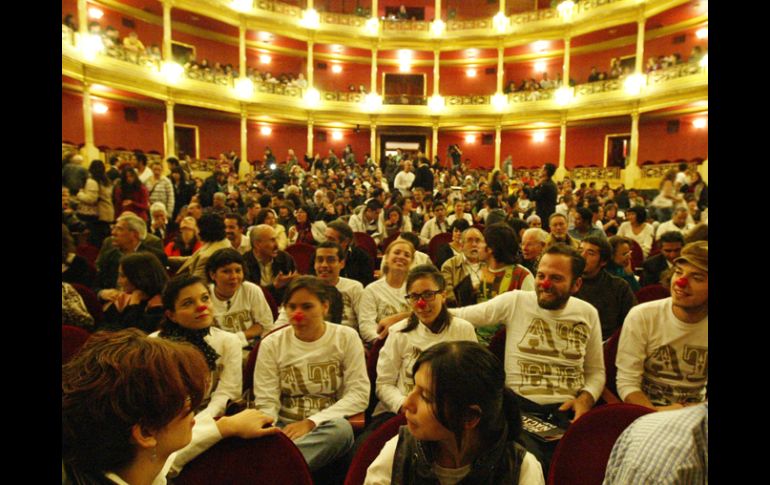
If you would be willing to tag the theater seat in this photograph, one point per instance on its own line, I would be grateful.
(72, 339)
(371, 448)
(582, 454)
(436, 243)
(610, 348)
(371, 370)
(651, 293)
(302, 254)
(234, 461)
(270, 302)
(91, 301)
(367, 243)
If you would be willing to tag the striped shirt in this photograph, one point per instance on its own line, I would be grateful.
(667, 447)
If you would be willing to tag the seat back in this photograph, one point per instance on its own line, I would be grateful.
(651, 293)
(371, 371)
(302, 254)
(91, 301)
(87, 251)
(365, 242)
(386, 242)
(371, 448)
(436, 243)
(72, 339)
(637, 255)
(270, 302)
(582, 453)
(497, 344)
(237, 461)
(610, 349)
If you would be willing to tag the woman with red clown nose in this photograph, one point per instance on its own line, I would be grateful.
(428, 324)
(189, 315)
(311, 375)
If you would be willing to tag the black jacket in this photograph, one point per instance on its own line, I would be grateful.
(283, 263)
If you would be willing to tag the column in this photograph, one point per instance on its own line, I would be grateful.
(242, 49)
(310, 136)
(167, 31)
(502, 7)
(90, 150)
(562, 170)
(244, 166)
(374, 9)
(498, 144)
(500, 72)
(565, 74)
(436, 55)
(438, 9)
(309, 59)
(373, 87)
(373, 143)
(639, 42)
(170, 145)
(82, 17)
(309, 4)
(632, 172)
(434, 144)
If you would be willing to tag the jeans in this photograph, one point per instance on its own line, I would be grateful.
(327, 442)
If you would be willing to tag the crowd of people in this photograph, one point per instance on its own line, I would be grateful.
(436, 259)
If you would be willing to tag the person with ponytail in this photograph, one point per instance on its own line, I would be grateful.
(189, 315)
(463, 425)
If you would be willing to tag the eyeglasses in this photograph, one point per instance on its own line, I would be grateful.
(425, 295)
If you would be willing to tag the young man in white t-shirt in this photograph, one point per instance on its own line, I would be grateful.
(663, 350)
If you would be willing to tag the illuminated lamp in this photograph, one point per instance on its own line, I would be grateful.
(265, 59)
(266, 130)
(372, 102)
(336, 68)
(172, 72)
(471, 72)
(244, 88)
(336, 135)
(437, 27)
(436, 103)
(700, 123)
(501, 22)
(566, 9)
(540, 66)
(538, 137)
(95, 13)
(470, 139)
(373, 26)
(564, 95)
(241, 5)
(500, 101)
(702, 33)
(704, 63)
(100, 108)
(634, 84)
(312, 98)
(310, 19)
(90, 45)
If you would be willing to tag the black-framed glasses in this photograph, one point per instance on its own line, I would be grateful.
(425, 295)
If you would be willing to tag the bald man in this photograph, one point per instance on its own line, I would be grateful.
(267, 265)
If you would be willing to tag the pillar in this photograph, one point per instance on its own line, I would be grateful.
(373, 143)
(170, 145)
(244, 166)
(565, 74)
(373, 87)
(167, 31)
(436, 55)
(562, 170)
(242, 49)
(632, 172)
(498, 144)
(437, 7)
(434, 143)
(639, 42)
(310, 59)
(502, 6)
(500, 72)
(82, 17)
(310, 137)
(90, 150)
(374, 9)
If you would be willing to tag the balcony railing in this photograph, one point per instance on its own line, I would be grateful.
(468, 100)
(344, 96)
(674, 72)
(526, 96)
(601, 173)
(599, 87)
(405, 99)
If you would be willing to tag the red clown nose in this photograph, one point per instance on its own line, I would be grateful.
(421, 304)
(681, 282)
(298, 316)
(202, 308)
(546, 284)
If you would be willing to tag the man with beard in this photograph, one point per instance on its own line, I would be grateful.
(463, 272)
(553, 350)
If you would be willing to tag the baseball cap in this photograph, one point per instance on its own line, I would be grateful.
(697, 254)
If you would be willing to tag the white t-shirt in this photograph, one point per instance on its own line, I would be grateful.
(401, 350)
(644, 238)
(246, 307)
(351, 291)
(403, 181)
(321, 380)
(379, 472)
(466, 216)
(550, 355)
(669, 226)
(662, 356)
(379, 300)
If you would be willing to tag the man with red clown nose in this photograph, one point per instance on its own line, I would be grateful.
(553, 344)
(663, 350)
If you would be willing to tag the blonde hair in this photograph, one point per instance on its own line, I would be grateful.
(393, 244)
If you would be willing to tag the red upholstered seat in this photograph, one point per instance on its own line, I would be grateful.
(386, 242)
(371, 448)
(652, 293)
(302, 254)
(270, 302)
(91, 301)
(436, 243)
(497, 344)
(371, 371)
(365, 242)
(89, 252)
(610, 348)
(251, 363)
(637, 255)
(72, 339)
(582, 454)
(272, 459)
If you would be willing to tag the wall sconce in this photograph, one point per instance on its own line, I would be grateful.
(266, 130)
(700, 123)
(336, 135)
(538, 137)
(336, 68)
(244, 88)
(310, 19)
(265, 59)
(470, 139)
(100, 108)
(471, 72)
